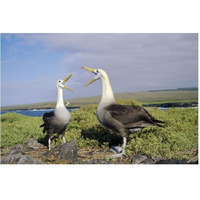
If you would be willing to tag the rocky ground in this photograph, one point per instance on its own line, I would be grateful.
(34, 152)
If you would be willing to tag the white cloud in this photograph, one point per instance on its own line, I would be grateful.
(153, 57)
(134, 62)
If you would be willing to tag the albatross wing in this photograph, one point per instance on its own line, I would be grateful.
(47, 117)
(132, 116)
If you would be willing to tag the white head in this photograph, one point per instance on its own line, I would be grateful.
(100, 74)
(107, 93)
(61, 83)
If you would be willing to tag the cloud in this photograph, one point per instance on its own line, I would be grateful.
(134, 62)
(155, 58)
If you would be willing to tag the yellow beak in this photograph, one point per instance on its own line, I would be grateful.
(90, 82)
(68, 88)
(91, 70)
(65, 80)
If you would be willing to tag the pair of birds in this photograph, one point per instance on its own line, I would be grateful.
(122, 119)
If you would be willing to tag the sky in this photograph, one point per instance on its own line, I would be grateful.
(32, 63)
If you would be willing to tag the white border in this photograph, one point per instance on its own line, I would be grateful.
(99, 181)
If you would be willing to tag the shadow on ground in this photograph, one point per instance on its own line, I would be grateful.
(102, 135)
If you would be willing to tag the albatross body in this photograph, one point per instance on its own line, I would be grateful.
(57, 121)
(122, 119)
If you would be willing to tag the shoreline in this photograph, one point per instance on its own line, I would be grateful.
(173, 105)
(37, 109)
(162, 105)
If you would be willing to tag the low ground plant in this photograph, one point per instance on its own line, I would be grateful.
(179, 138)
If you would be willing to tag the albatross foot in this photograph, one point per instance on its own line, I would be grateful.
(118, 151)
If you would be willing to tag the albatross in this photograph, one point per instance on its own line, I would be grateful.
(122, 119)
(56, 121)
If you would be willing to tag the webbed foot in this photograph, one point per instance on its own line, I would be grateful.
(118, 151)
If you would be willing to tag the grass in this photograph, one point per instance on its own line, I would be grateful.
(143, 97)
(179, 138)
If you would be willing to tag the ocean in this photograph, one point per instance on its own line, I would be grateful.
(34, 112)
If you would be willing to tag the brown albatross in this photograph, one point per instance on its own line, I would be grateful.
(122, 119)
(56, 121)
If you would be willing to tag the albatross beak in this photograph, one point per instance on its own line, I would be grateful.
(68, 88)
(65, 80)
(91, 70)
(90, 82)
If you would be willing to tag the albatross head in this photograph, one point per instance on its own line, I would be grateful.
(100, 74)
(61, 83)
(107, 93)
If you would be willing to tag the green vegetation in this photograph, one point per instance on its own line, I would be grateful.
(179, 138)
(18, 129)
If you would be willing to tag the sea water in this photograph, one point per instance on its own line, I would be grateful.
(34, 112)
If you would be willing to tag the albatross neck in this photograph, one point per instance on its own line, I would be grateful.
(60, 102)
(107, 93)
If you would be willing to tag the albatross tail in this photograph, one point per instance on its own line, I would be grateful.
(43, 125)
(156, 121)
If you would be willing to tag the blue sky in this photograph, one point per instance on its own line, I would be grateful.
(32, 63)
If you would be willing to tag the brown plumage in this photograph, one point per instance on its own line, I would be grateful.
(56, 121)
(122, 119)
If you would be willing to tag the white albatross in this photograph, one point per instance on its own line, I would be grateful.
(56, 121)
(122, 119)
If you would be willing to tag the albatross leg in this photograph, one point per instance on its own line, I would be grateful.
(62, 135)
(50, 135)
(124, 143)
(64, 139)
(49, 144)
(120, 151)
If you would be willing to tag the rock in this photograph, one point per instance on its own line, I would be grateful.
(142, 159)
(148, 161)
(194, 162)
(47, 153)
(66, 151)
(18, 148)
(172, 161)
(11, 158)
(137, 159)
(18, 158)
(33, 143)
(28, 160)
(95, 161)
(14, 151)
(156, 158)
